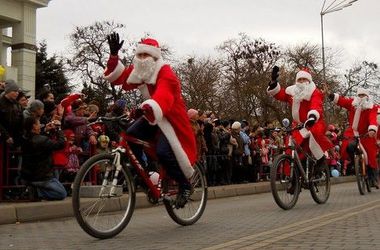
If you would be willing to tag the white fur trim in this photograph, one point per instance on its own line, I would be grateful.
(157, 111)
(307, 96)
(313, 112)
(305, 133)
(372, 127)
(274, 91)
(111, 77)
(296, 110)
(149, 49)
(357, 103)
(180, 154)
(362, 91)
(315, 149)
(144, 91)
(336, 98)
(134, 79)
(355, 121)
(304, 74)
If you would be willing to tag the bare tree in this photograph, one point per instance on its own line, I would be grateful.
(365, 74)
(199, 78)
(87, 60)
(246, 64)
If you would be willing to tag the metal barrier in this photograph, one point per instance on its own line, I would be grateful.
(11, 184)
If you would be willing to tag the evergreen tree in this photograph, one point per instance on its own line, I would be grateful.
(50, 73)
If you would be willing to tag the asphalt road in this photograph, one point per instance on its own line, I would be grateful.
(347, 221)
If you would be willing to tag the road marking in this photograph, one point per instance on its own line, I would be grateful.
(258, 240)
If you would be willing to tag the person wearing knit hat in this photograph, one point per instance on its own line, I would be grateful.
(362, 121)
(306, 102)
(11, 86)
(163, 108)
(11, 118)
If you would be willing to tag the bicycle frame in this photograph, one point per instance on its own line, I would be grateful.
(359, 153)
(124, 149)
(294, 147)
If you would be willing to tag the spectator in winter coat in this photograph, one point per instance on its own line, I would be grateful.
(78, 123)
(35, 109)
(237, 152)
(198, 132)
(225, 161)
(11, 117)
(37, 166)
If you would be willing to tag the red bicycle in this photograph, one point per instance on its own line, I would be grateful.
(104, 190)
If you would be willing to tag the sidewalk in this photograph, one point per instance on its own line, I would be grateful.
(36, 211)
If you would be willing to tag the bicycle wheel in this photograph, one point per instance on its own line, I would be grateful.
(368, 184)
(367, 178)
(284, 181)
(196, 204)
(320, 184)
(360, 178)
(102, 209)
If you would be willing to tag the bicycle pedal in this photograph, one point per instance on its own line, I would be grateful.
(169, 199)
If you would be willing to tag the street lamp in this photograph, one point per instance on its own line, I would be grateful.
(333, 7)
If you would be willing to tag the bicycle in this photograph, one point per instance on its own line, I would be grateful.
(104, 190)
(360, 167)
(288, 174)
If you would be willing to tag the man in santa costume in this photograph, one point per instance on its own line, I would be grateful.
(362, 119)
(164, 109)
(306, 103)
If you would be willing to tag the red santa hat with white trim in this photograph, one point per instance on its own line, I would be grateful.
(304, 73)
(149, 46)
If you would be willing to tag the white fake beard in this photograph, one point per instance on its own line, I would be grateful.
(144, 68)
(363, 103)
(301, 91)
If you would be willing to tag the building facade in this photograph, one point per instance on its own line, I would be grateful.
(18, 35)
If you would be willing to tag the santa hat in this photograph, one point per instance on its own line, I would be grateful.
(304, 73)
(362, 91)
(149, 46)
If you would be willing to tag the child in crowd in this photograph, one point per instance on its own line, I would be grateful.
(103, 144)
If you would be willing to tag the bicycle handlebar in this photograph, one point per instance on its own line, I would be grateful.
(102, 119)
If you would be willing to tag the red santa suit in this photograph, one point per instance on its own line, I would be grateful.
(162, 92)
(305, 104)
(361, 118)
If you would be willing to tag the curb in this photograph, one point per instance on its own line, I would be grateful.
(37, 211)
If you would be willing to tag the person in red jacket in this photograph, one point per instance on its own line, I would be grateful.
(163, 108)
(362, 119)
(306, 103)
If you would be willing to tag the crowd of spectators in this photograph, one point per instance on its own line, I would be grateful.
(56, 140)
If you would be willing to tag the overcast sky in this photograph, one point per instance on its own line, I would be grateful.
(198, 26)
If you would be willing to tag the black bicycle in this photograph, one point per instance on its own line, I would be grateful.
(289, 174)
(360, 167)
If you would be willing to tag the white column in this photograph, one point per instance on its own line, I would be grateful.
(24, 48)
